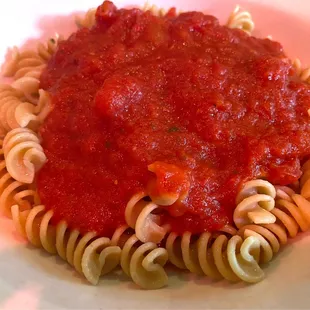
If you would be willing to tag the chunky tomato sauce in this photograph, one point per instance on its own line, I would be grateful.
(176, 105)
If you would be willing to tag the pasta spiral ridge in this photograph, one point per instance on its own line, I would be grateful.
(142, 262)
(292, 217)
(16, 112)
(255, 202)
(216, 256)
(284, 192)
(305, 180)
(45, 51)
(155, 10)
(139, 214)
(26, 67)
(10, 98)
(302, 73)
(30, 63)
(89, 255)
(29, 115)
(19, 61)
(12, 191)
(88, 20)
(241, 19)
(23, 153)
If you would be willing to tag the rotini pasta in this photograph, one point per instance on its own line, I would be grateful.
(88, 20)
(254, 203)
(139, 216)
(10, 98)
(215, 256)
(241, 19)
(29, 115)
(144, 263)
(264, 218)
(154, 9)
(12, 191)
(20, 60)
(284, 192)
(30, 63)
(292, 217)
(16, 112)
(302, 73)
(89, 255)
(45, 51)
(23, 154)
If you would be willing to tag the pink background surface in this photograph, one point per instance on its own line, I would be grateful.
(31, 279)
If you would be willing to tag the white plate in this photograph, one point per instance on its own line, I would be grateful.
(31, 279)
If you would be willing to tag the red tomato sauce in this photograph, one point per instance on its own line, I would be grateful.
(215, 105)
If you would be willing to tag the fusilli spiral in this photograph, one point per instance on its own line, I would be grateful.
(303, 73)
(20, 61)
(292, 217)
(16, 112)
(284, 192)
(265, 215)
(88, 254)
(30, 115)
(254, 203)
(12, 191)
(10, 98)
(242, 20)
(138, 215)
(23, 154)
(30, 63)
(216, 256)
(88, 20)
(141, 262)
(45, 51)
(155, 10)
